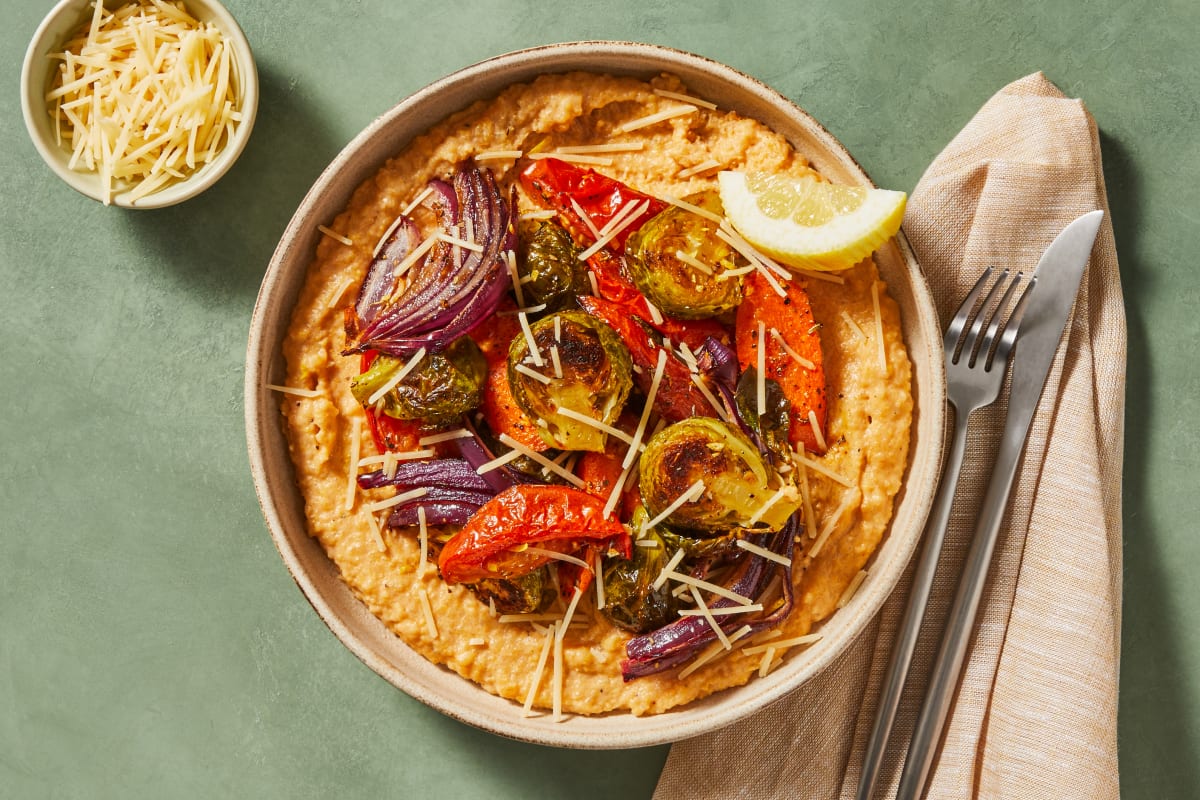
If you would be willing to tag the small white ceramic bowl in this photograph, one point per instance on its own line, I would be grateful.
(37, 72)
(283, 505)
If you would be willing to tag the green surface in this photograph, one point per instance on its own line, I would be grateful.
(151, 641)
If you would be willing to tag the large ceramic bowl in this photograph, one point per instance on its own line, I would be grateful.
(318, 578)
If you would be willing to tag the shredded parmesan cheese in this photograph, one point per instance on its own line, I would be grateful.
(653, 119)
(570, 477)
(156, 96)
(386, 457)
(575, 158)
(293, 390)
(403, 497)
(668, 569)
(762, 551)
(557, 678)
(457, 242)
(534, 353)
(557, 556)
(692, 261)
(883, 364)
(831, 524)
(598, 570)
(855, 582)
(427, 611)
(539, 670)
(853, 325)
(617, 433)
(611, 147)
(816, 429)
(641, 428)
(779, 644)
(537, 376)
(707, 614)
(498, 461)
(741, 599)
(703, 166)
(498, 155)
(713, 651)
(799, 359)
(683, 98)
(695, 209)
(332, 234)
(554, 357)
(445, 436)
(622, 220)
(818, 467)
(692, 494)
(400, 375)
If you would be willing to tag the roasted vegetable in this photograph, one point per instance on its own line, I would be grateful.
(791, 319)
(565, 187)
(737, 484)
(451, 290)
(630, 599)
(438, 390)
(678, 262)
(675, 643)
(524, 594)
(678, 397)
(772, 428)
(550, 267)
(592, 378)
(497, 541)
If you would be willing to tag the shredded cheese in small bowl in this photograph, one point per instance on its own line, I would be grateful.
(141, 104)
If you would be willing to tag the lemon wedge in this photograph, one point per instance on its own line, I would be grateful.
(809, 224)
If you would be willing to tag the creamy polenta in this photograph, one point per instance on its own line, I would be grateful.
(850, 488)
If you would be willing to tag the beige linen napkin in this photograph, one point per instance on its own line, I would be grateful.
(1035, 716)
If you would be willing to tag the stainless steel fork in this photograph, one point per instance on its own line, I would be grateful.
(975, 369)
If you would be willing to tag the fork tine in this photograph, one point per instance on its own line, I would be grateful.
(997, 323)
(985, 313)
(1011, 328)
(954, 331)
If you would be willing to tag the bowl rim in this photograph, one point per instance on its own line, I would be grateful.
(262, 418)
(35, 75)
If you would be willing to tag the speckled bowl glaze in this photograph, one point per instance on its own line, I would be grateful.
(37, 71)
(282, 504)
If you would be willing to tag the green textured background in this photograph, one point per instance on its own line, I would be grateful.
(151, 641)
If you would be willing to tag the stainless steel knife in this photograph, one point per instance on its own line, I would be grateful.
(1058, 275)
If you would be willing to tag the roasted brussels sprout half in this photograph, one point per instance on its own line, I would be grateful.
(772, 427)
(526, 594)
(630, 599)
(438, 390)
(737, 484)
(551, 268)
(662, 255)
(584, 367)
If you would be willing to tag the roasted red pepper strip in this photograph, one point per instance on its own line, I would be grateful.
(792, 316)
(389, 434)
(492, 543)
(556, 183)
(613, 286)
(677, 398)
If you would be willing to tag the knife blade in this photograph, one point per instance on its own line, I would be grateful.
(1058, 275)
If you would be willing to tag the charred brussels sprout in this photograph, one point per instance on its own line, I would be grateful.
(737, 484)
(526, 594)
(550, 264)
(630, 599)
(440, 389)
(595, 378)
(772, 427)
(661, 257)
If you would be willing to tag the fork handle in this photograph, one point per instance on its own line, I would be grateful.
(910, 626)
(961, 620)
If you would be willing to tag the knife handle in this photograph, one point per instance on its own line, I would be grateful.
(952, 652)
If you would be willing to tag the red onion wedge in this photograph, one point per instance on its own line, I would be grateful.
(452, 289)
